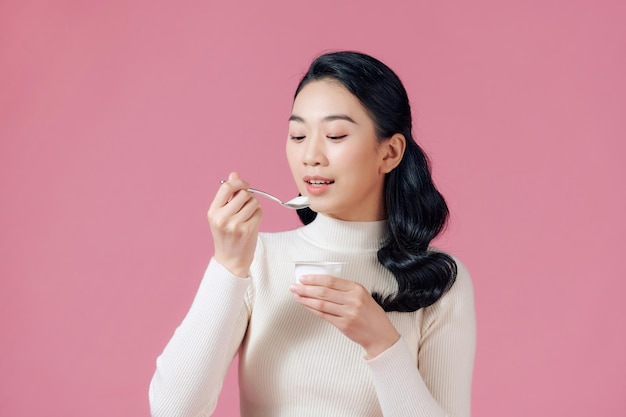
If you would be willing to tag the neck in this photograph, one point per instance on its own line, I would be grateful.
(343, 235)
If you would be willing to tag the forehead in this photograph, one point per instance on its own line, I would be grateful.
(321, 98)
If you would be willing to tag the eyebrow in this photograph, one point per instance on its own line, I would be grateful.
(329, 118)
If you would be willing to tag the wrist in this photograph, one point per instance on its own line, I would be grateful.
(235, 268)
(380, 345)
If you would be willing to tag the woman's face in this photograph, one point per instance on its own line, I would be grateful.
(334, 154)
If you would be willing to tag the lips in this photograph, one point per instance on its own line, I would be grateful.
(316, 185)
(315, 180)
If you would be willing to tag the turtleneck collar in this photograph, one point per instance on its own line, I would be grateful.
(342, 235)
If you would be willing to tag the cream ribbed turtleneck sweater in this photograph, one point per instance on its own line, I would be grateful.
(294, 364)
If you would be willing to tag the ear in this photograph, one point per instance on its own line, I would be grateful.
(392, 151)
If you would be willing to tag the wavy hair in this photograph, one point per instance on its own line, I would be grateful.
(416, 211)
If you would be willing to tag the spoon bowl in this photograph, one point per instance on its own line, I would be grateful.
(296, 203)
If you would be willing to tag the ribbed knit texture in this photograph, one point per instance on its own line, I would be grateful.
(294, 364)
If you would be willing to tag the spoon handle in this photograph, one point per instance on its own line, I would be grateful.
(263, 193)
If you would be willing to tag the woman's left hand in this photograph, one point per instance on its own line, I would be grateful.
(349, 307)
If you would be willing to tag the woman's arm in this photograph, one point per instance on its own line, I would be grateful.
(191, 369)
(440, 383)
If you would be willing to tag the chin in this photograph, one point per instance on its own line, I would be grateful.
(325, 209)
(317, 207)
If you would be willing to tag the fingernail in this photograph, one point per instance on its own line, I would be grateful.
(304, 279)
(293, 288)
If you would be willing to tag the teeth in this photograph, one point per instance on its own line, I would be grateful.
(318, 182)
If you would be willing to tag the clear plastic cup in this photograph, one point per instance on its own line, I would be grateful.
(318, 268)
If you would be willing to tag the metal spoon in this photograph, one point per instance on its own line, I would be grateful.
(295, 203)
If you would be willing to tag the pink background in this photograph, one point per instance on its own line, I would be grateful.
(117, 120)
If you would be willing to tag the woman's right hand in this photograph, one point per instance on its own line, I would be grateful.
(234, 217)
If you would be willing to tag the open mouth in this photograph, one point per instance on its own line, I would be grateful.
(319, 183)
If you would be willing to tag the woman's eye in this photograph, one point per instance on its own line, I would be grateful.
(294, 137)
(336, 137)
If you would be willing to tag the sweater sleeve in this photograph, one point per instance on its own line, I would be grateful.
(190, 371)
(439, 384)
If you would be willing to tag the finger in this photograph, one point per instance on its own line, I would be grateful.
(322, 308)
(223, 212)
(328, 281)
(236, 216)
(247, 211)
(228, 191)
(322, 293)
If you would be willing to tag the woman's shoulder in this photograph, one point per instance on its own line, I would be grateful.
(462, 273)
(462, 270)
(460, 295)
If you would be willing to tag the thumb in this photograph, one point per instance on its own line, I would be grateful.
(233, 176)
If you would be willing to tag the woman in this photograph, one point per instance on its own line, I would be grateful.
(394, 336)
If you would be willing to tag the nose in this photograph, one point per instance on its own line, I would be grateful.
(314, 152)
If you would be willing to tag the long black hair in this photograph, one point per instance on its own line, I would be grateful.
(416, 211)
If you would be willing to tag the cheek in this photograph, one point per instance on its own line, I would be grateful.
(293, 161)
(356, 160)
(291, 154)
